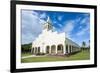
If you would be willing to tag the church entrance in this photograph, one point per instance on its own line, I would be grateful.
(60, 49)
(38, 50)
(47, 49)
(53, 49)
(66, 48)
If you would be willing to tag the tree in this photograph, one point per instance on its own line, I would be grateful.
(83, 45)
(26, 48)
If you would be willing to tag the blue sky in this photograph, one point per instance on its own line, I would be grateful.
(76, 25)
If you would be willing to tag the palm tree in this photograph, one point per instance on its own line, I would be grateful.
(83, 45)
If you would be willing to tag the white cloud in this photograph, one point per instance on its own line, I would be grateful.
(43, 15)
(85, 30)
(60, 18)
(69, 26)
(31, 26)
(59, 25)
(55, 22)
(85, 20)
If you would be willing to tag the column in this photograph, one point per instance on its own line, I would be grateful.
(56, 49)
(44, 49)
(64, 49)
(50, 50)
(68, 48)
(31, 50)
(34, 51)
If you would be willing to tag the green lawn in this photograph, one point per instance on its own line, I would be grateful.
(83, 55)
(25, 54)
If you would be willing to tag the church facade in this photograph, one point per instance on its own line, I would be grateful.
(52, 42)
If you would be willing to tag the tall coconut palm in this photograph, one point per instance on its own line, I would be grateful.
(83, 45)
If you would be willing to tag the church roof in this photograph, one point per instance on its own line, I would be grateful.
(72, 42)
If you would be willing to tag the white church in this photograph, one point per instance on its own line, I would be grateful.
(53, 43)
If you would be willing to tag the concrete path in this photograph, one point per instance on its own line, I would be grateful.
(32, 56)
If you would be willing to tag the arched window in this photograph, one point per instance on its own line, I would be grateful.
(70, 48)
(47, 49)
(66, 48)
(33, 50)
(60, 49)
(38, 49)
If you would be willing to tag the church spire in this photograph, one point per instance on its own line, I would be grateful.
(48, 19)
(48, 24)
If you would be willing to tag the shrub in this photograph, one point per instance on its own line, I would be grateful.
(40, 54)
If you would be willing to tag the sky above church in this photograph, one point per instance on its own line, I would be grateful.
(76, 25)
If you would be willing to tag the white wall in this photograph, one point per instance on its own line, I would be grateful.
(5, 38)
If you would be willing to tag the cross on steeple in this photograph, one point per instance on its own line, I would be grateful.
(48, 19)
(48, 26)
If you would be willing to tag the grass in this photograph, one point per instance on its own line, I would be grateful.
(83, 55)
(25, 54)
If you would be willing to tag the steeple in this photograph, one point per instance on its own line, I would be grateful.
(48, 19)
(47, 26)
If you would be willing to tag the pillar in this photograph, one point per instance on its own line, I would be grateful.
(34, 50)
(64, 49)
(31, 50)
(68, 48)
(56, 49)
(50, 50)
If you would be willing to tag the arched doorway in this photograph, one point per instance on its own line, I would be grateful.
(47, 49)
(60, 49)
(33, 50)
(70, 49)
(66, 48)
(38, 50)
(53, 49)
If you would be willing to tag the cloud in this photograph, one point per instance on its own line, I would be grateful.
(31, 26)
(69, 26)
(85, 21)
(83, 31)
(43, 15)
(60, 25)
(60, 18)
(81, 28)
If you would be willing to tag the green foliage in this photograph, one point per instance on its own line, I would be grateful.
(26, 48)
(40, 54)
(83, 44)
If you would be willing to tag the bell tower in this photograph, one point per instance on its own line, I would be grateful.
(47, 26)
